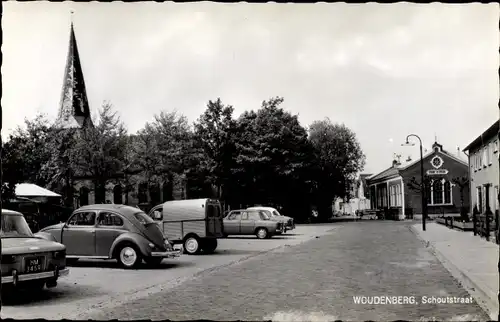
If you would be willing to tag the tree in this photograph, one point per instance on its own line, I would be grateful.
(462, 183)
(162, 149)
(146, 158)
(415, 184)
(338, 159)
(273, 158)
(174, 139)
(25, 153)
(100, 150)
(214, 131)
(61, 167)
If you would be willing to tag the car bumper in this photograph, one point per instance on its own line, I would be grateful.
(170, 254)
(35, 276)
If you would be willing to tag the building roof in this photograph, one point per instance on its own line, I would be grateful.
(392, 171)
(364, 176)
(491, 132)
(450, 155)
(397, 168)
(74, 111)
(32, 190)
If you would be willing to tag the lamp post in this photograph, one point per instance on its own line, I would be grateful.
(422, 183)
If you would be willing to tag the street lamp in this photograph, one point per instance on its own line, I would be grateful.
(422, 184)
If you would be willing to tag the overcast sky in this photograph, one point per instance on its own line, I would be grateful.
(383, 70)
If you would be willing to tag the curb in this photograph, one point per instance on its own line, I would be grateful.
(486, 302)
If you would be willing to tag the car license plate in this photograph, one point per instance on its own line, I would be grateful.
(33, 264)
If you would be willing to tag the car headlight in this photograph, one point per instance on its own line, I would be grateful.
(59, 254)
(151, 245)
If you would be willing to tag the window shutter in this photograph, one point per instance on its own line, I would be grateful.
(496, 198)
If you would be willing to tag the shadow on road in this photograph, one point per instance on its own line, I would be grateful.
(261, 240)
(63, 293)
(110, 263)
(229, 252)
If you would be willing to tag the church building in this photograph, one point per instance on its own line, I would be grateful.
(392, 191)
(75, 113)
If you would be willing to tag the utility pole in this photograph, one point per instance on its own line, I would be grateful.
(422, 177)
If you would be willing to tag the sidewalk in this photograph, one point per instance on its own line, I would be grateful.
(471, 260)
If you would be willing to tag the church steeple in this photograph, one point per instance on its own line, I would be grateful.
(74, 111)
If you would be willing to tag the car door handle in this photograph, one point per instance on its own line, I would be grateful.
(92, 231)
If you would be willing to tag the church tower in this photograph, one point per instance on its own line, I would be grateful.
(74, 111)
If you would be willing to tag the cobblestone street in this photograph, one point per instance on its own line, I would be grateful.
(316, 280)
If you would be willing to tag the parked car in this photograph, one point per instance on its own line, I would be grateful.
(275, 215)
(251, 222)
(29, 260)
(281, 220)
(193, 225)
(111, 231)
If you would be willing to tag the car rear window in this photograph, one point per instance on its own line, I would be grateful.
(214, 211)
(143, 218)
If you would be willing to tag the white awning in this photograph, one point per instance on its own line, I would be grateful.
(32, 190)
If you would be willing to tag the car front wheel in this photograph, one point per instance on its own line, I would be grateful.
(192, 245)
(129, 256)
(262, 233)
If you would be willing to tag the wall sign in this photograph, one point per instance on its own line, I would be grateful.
(437, 172)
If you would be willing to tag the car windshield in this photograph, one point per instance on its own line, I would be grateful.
(276, 214)
(15, 226)
(143, 218)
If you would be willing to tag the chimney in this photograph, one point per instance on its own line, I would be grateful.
(397, 160)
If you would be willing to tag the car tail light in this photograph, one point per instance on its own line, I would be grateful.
(168, 246)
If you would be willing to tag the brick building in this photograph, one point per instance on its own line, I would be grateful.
(484, 169)
(390, 189)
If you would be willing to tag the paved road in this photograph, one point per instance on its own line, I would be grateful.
(315, 281)
(94, 285)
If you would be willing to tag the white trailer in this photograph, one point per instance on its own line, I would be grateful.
(194, 223)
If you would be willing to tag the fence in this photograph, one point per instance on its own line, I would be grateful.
(40, 215)
(486, 223)
(453, 222)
